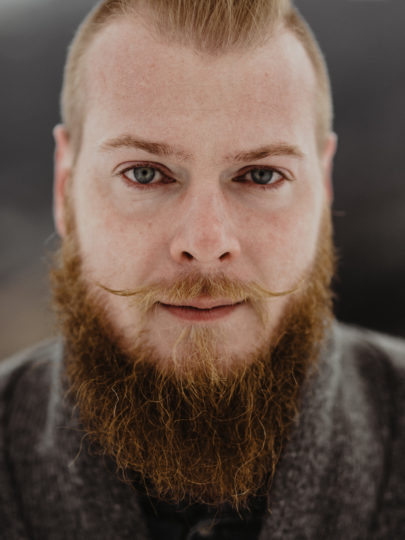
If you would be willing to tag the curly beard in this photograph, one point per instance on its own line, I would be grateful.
(197, 434)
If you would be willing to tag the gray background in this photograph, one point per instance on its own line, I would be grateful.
(364, 43)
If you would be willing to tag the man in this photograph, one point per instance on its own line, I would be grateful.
(201, 388)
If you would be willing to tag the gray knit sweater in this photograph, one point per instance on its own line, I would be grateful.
(342, 475)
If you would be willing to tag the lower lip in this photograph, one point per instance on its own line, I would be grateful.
(194, 314)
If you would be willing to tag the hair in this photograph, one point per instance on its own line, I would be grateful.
(210, 26)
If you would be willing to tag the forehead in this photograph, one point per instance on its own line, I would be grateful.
(135, 82)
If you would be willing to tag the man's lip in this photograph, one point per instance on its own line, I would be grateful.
(195, 313)
(203, 304)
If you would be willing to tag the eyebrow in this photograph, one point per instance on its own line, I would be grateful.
(166, 150)
(271, 150)
(157, 148)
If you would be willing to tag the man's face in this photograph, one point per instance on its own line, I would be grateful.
(206, 132)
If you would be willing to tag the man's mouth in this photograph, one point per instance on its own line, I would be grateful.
(202, 310)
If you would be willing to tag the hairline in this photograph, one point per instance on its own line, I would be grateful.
(322, 90)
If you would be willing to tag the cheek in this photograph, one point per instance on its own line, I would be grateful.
(117, 247)
(285, 242)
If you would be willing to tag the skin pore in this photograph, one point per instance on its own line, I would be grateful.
(198, 182)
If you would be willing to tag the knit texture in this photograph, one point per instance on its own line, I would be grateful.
(342, 475)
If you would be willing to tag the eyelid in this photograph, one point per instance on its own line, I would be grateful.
(250, 168)
(123, 168)
(165, 179)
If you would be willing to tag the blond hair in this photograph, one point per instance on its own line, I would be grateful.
(211, 26)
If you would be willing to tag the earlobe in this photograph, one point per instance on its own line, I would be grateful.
(62, 173)
(327, 165)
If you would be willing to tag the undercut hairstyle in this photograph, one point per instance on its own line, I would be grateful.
(210, 26)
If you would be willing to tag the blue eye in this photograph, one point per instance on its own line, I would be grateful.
(263, 176)
(142, 175)
(146, 176)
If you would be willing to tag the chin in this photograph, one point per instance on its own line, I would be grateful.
(191, 346)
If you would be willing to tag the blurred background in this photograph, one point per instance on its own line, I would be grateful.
(364, 44)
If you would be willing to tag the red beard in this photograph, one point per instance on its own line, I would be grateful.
(192, 434)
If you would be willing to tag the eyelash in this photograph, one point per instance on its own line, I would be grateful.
(239, 179)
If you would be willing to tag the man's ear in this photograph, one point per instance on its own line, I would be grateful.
(327, 165)
(62, 174)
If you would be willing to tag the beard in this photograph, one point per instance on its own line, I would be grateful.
(188, 430)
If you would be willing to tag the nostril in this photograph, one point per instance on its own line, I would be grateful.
(224, 256)
(187, 255)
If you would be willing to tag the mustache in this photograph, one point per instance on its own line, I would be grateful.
(193, 285)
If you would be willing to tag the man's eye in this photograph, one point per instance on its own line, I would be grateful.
(264, 176)
(142, 175)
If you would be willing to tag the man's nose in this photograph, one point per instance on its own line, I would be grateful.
(205, 233)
